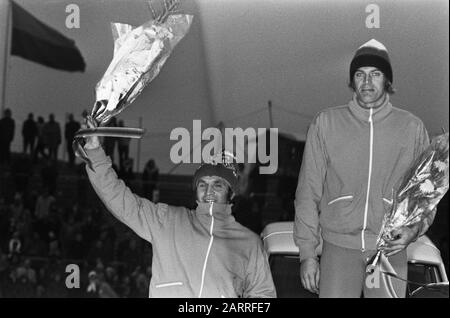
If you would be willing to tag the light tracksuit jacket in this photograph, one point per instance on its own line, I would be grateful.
(354, 158)
(196, 253)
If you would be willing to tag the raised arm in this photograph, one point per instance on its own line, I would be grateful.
(143, 216)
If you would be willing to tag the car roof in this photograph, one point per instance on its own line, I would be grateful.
(278, 239)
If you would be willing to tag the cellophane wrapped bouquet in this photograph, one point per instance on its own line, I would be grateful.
(422, 188)
(139, 54)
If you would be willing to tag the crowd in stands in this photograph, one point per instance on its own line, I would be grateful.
(41, 232)
(39, 237)
(41, 139)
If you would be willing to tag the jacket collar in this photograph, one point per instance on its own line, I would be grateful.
(220, 211)
(364, 113)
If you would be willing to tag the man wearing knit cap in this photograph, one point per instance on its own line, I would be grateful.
(196, 253)
(354, 157)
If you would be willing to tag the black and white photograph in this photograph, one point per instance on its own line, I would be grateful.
(224, 149)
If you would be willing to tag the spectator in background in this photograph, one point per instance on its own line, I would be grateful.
(29, 201)
(98, 287)
(5, 212)
(20, 217)
(7, 127)
(124, 146)
(147, 255)
(112, 278)
(4, 267)
(71, 128)
(54, 249)
(96, 252)
(150, 178)
(29, 134)
(70, 228)
(89, 227)
(76, 249)
(28, 271)
(130, 254)
(141, 281)
(125, 287)
(110, 142)
(17, 207)
(82, 185)
(54, 220)
(43, 276)
(49, 175)
(36, 246)
(92, 290)
(15, 245)
(52, 137)
(84, 114)
(56, 287)
(126, 171)
(22, 170)
(40, 291)
(43, 204)
(108, 242)
(40, 145)
(99, 266)
(22, 288)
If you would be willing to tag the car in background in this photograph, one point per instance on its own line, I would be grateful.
(426, 272)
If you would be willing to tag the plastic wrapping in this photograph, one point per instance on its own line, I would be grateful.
(139, 55)
(421, 189)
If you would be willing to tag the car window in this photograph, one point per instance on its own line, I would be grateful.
(419, 273)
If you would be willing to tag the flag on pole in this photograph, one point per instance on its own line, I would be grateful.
(35, 41)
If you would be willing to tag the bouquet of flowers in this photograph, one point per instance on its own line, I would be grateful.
(422, 187)
(139, 54)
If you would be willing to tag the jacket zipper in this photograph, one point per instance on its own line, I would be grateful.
(209, 249)
(366, 208)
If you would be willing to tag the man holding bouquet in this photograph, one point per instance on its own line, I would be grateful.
(196, 253)
(354, 158)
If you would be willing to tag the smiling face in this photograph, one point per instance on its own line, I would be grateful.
(369, 85)
(212, 189)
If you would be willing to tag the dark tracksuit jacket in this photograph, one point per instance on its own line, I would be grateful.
(196, 253)
(354, 159)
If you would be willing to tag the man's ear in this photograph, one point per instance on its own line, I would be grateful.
(230, 197)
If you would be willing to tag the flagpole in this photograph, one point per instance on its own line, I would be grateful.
(5, 36)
